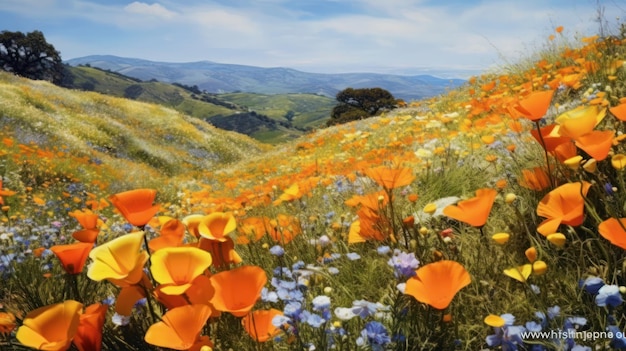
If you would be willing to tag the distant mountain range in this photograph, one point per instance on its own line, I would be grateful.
(225, 78)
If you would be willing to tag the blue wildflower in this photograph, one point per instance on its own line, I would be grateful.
(277, 250)
(508, 336)
(374, 334)
(293, 309)
(364, 309)
(533, 326)
(609, 295)
(383, 250)
(268, 296)
(312, 319)
(404, 264)
(535, 289)
(321, 303)
(608, 188)
(554, 311)
(591, 284)
(120, 320)
(353, 256)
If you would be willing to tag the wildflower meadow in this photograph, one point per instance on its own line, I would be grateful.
(490, 218)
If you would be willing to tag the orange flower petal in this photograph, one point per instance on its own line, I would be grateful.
(180, 327)
(437, 283)
(474, 211)
(597, 144)
(535, 105)
(177, 267)
(89, 333)
(258, 324)
(136, 205)
(237, 290)
(612, 230)
(72, 256)
(50, 327)
(563, 205)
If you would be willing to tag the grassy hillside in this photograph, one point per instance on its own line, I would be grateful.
(117, 142)
(471, 221)
(310, 110)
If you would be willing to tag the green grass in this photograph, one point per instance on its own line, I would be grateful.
(310, 110)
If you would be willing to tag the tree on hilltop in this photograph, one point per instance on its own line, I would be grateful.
(30, 55)
(356, 104)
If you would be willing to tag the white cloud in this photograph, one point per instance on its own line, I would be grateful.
(154, 10)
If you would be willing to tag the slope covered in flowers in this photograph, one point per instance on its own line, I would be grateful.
(489, 218)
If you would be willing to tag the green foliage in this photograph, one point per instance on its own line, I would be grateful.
(30, 55)
(357, 104)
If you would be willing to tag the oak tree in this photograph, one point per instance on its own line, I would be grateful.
(30, 55)
(356, 104)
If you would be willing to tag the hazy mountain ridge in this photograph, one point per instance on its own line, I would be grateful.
(219, 78)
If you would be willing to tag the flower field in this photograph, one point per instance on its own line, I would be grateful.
(491, 218)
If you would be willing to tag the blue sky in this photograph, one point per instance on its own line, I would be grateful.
(327, 36)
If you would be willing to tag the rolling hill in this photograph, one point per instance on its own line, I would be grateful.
(221, 78)
(88, 136)
(259, 116)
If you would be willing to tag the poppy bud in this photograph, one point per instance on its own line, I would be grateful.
(539, 267)
(509, 198)
(557, 239)
(430, 208)
(501, 238)
(531, 254)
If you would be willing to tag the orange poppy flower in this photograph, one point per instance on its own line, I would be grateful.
(619, 112)
(4, 192)
(535, 105)
(580, 121)
(390, 178)
(217, 225)
(612, 230)
(370, 226)
(223, 253)
(7, 322)
(597, 143)
(284, 228)
(89, 221)
(136, 205)
(180, 328)
(474, 211)
(72, 256)
(535, 179)
(237, 290)
(192, 222)
(176, 267)
(563, 205)
(120, 260)
(200, 292)
(254, 227)
(565, 151)
(89, 333)
(170, 235)
(437, 283)
(50, 327)
(374, 201)
(259, 326)
(551, 137)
